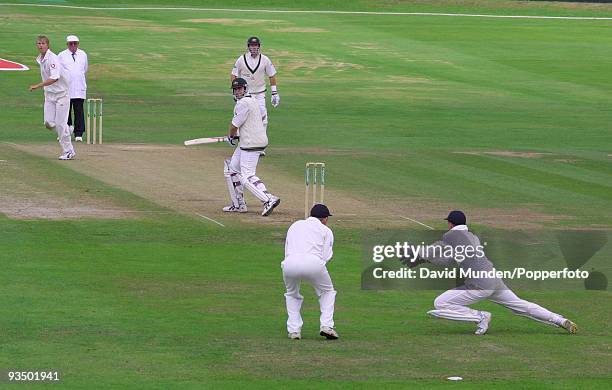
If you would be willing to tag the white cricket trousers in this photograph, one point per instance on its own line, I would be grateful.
(244, 163)
(452, 305)
(56, 109)
(311, 269)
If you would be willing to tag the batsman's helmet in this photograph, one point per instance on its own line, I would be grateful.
(239, 82)
(253, 41)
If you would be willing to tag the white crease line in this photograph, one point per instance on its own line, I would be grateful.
(420, 223)
(210, 219)
(331, 12)
(9, 143)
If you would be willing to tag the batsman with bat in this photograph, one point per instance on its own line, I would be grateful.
(453, 304)
(240, 170)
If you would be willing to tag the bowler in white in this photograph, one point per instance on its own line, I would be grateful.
(55, 82)
(308, 249)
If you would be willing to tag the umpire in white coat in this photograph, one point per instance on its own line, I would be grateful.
(75, 62)
(453, 304)
(308, 248)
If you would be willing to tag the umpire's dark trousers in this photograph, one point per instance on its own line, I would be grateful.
(76, 105)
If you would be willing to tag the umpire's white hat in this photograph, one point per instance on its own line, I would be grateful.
(72, 38)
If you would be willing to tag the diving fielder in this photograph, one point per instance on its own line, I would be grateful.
(453, 304)
(308, 249)
(252, 144)
(254, 67)
(55, 82)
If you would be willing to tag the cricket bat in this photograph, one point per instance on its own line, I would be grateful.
(210, 140)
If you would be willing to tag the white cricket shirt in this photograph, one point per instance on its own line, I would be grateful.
(77, 66)
(254, 71)
(51, 68)
(309, 237)
(247, 118)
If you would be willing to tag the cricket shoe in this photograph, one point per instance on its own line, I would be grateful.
(78, 139)
(234, 209)
(570, 327)
(68, 156)
(483, 324)
(329, 333)
(270, 205)
(294, 335)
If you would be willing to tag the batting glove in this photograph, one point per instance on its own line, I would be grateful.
(275, 99)
(275, 96)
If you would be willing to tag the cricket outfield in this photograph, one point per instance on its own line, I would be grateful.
(120, 270)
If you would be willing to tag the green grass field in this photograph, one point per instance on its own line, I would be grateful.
(508, 119)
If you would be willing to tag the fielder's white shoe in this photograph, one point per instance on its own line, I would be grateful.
(570, 327)
(78, 139)
(68, 156)
(329, 333)
(234, 209)
(270, 205)
(483, 324)
(294, 335)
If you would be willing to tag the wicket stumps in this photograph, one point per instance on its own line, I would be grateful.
(93, 121)
(315, 177)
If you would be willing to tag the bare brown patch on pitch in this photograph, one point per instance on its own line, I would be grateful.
(297, 30)
(407, 80)
(433, 61)
(234, 22)
(29, 194)
(567, 160)
(306, 61)
(190, 180)
(314, 63)
(508, 153)
(365, 46)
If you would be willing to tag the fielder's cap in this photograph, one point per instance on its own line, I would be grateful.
(456, 217)
(72, 38)
(320, 211)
